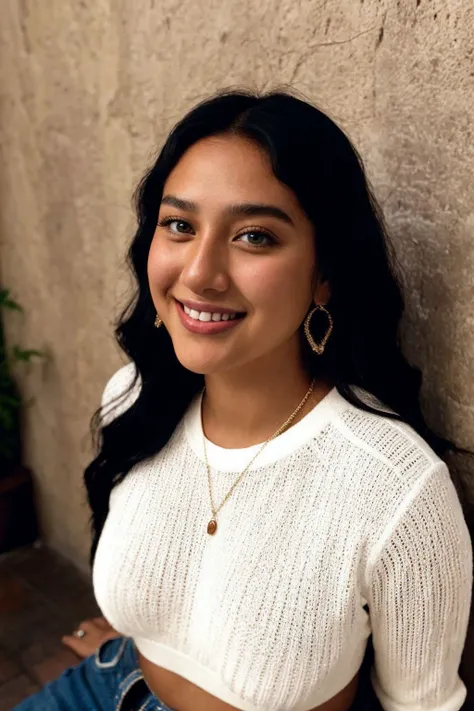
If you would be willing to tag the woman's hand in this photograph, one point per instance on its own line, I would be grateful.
(97, 630)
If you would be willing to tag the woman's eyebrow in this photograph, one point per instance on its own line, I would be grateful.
(247, 208)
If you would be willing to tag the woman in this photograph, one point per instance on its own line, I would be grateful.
(267, 498)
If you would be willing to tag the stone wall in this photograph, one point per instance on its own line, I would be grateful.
(89, 90)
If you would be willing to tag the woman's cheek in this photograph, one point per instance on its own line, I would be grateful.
(270, 287)
(161, 267)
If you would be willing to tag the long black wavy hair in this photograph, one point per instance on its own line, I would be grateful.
(312, 156)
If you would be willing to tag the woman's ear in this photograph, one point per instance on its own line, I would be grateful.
(322, 293)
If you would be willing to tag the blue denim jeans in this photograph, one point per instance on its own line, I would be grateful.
(109, 680)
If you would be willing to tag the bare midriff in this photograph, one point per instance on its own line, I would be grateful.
(182, 695)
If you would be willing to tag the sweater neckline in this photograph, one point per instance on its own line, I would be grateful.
(232, 460)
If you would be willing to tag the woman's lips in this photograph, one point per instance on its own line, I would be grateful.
(205, 327)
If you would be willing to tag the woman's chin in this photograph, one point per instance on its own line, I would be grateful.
(200, 366)
(206, 358)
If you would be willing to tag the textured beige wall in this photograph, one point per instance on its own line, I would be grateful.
(87, 92)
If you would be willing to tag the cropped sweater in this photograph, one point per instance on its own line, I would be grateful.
(347, 524)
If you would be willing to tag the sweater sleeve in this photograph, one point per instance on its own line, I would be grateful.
(118, 394)
(419, 589)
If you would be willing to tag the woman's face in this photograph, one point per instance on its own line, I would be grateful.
(258, 261)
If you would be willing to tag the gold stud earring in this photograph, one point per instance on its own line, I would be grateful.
(158, 321)
(318, 347)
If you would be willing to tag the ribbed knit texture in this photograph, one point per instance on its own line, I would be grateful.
(342, 510)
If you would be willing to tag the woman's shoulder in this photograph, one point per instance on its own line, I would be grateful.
(390, 441)
(393, 464)
(120, 392)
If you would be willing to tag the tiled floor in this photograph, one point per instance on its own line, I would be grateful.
(42, 597)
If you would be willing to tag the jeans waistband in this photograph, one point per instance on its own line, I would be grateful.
(133, 693)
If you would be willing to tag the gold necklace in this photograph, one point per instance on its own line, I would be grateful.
(212, 525)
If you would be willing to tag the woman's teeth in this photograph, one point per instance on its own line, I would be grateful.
(207, 315)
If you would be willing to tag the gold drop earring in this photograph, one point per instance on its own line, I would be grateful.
(318, 348)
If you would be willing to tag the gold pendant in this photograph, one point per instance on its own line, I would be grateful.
(212, 527)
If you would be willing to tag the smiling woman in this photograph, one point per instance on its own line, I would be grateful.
(268, 503)
(203, 246)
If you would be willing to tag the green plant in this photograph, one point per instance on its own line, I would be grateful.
(10, 399)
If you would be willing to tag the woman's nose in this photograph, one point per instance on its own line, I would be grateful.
(205, 266)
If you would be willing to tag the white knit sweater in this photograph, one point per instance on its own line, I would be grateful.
(342, 510)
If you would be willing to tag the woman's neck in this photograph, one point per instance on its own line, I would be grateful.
(237, 415)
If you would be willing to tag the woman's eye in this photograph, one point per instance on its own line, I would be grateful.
(167, 222)
(259, 235)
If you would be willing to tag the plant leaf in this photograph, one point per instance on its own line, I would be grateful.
(8, 303)
(25, 355)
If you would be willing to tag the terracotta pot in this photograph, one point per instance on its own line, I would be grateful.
(18, 519)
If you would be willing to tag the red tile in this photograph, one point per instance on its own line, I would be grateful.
(12, 593)
(15, 691)
(53, 666)
(8, 667)
(42, 597)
